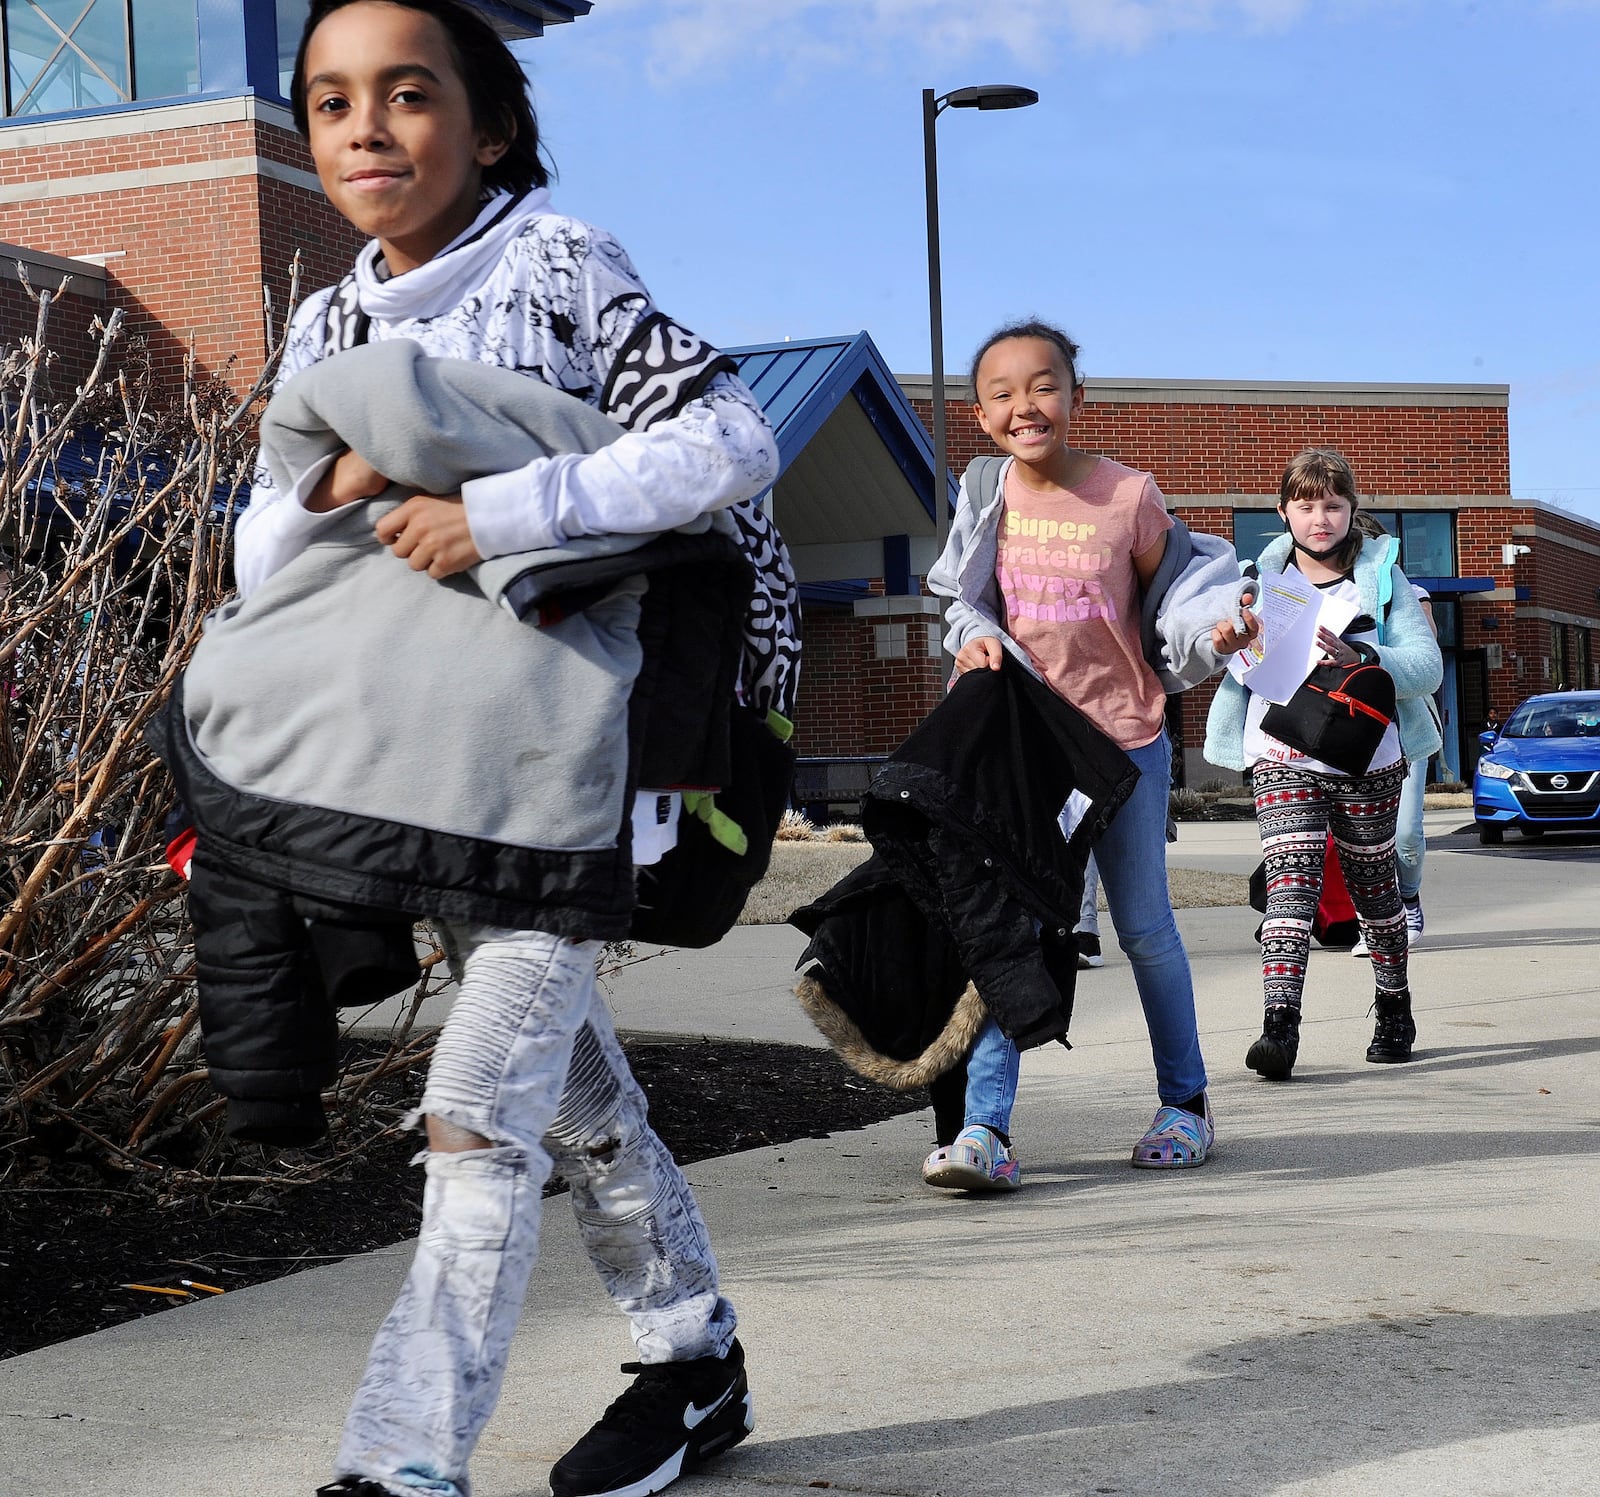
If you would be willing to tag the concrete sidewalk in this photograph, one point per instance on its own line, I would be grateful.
(1387, 1279)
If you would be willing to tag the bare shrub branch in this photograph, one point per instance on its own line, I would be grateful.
(116, 517)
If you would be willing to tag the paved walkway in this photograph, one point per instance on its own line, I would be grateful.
(1387, 1281)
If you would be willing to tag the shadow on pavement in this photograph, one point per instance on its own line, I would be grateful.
(1431, 1059)
(1248, 1418)
(1550, 847)
(1509, 940)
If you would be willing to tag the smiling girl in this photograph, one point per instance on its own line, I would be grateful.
(422, 134)
(1052, 571)
(1299, 799)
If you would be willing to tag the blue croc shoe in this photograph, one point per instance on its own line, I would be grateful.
(976, 1160)
(1176, 1140)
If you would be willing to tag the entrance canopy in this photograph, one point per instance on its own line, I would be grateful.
(854, 495)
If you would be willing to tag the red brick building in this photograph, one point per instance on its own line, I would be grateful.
(155, 163)
(193, 214)
(153, 139)
(1434, 465)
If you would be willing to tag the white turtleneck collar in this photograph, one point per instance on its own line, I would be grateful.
(456, 271)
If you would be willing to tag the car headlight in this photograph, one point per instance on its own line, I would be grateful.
(1492, 771)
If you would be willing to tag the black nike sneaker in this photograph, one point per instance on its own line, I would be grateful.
(676, 1415)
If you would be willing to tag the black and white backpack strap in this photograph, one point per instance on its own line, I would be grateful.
(662, 367)
(769, 675)
(344, 324)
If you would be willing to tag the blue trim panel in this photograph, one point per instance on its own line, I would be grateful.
(1456, 584)
(841, 594)
(260, 48)
(22, 121)
(530, 17)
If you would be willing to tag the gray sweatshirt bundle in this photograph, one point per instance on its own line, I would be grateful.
(350, 682)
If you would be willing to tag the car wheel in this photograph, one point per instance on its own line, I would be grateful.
(1491, 836)
(1531, 831)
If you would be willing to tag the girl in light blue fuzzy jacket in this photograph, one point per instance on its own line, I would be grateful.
(1299, 799)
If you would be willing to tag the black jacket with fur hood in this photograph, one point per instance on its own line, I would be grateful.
(968, 902)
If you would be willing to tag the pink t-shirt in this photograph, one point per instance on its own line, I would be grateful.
(1071, 596)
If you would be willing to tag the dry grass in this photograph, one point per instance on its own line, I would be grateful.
(801, 871)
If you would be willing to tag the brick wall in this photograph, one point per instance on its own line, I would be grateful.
(191, 226)
(68, 340)
(829, 716)
(851, 701)
(1197, 448)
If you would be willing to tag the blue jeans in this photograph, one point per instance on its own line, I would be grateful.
(1089, 907)
(1132, 857)
(1409, 841)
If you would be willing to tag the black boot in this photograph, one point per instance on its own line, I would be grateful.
(1274, 1053)
(1395, 1030)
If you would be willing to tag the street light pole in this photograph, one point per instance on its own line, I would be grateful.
(941, 455)
(982, 96)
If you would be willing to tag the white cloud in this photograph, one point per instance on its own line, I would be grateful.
(692, 36)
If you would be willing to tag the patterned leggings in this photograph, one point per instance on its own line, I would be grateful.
(1296, 810)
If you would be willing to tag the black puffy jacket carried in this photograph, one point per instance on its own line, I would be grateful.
(968, 902)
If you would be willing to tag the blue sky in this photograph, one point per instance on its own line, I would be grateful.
(1277, 189)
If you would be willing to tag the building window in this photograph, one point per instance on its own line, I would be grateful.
(1558, 657)
(1254, 530)
(1447, 622)
(1427, 537)
(1427, 543)
(166, 49)
(65, 55)
(291, 22)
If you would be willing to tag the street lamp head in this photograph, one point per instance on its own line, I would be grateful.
(992, 96)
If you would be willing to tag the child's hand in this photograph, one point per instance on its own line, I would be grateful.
(1336, 651)
(430, 532)
(350, 478)
(980, 654)
(1226, 640)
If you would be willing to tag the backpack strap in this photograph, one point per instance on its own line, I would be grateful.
(981, 481)
(659, 369)
(344, 324)
(1386, 570)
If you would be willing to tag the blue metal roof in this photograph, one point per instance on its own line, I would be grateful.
(800, 383)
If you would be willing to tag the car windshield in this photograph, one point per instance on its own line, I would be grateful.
(1574, 717)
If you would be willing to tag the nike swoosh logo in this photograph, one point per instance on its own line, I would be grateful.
(693, 1416)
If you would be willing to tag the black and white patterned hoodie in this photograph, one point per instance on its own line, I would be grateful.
(530, 290)
(533, 291)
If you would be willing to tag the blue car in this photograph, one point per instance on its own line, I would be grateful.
(1541, 771)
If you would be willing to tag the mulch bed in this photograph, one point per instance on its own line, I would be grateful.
(71, 1239)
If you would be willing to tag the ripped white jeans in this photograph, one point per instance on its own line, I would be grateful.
(529, 1060)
